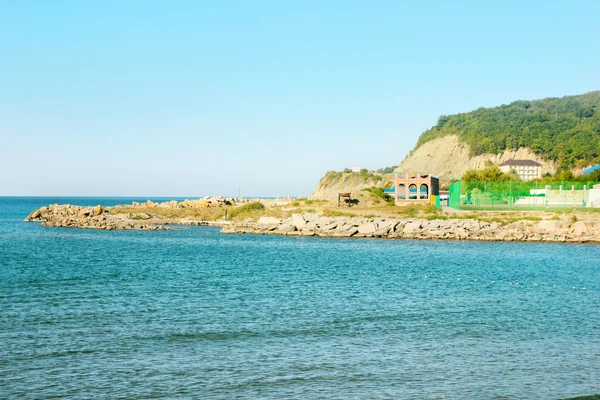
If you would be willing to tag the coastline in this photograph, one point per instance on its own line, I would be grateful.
(311, 224)
(437, 229)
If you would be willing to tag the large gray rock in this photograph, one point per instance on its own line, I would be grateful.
(386, 224)
(309, 226)
(412, 227)
(322, 221)
(298, 220)
(286, 228)
(548, 226)
(367, 228)
(268, 221)
(581, 228)
(329, 227)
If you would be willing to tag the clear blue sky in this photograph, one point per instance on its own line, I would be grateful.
(190, 98)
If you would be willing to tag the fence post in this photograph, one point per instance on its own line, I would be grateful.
(510, 195)
(484, 192)
(536, 196)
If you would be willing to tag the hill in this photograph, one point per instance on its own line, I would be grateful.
(563, 132)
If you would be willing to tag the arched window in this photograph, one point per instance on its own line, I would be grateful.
(412, 192)
(401, 192)
(424, 192)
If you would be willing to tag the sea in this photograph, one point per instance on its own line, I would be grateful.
(192, 313)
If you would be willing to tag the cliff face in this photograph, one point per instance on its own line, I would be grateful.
(448, 158)
(338, 182)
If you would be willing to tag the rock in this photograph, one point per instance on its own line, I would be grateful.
(386, 224)
(286, 228)
(329, 227)
(412, 227)
(268, 221)
(548, 226)
(367, 228)
(581, 228)
(322, 221)
(309, 226)
(98, 210)
(299, 221)
(268, 227)
(381, 232)
(34, 215)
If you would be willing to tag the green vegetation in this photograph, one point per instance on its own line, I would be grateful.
(565, 130)
(415, 210)
(334, 213)
(200, 214)
(364, 173)
(387, 170)
(491, 173)
(247, 210)
(379, 193)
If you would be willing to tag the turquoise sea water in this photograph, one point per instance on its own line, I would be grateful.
(191, 313)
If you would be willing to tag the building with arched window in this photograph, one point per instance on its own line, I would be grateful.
(415, 189)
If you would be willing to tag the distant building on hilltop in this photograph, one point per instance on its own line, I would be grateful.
(526, 169)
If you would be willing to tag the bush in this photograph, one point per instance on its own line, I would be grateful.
(247, 208)
(378, 192)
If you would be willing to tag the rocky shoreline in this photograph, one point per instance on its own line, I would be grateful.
(308, 224)
(70, 216)
(456, 229)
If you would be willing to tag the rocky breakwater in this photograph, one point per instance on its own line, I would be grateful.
(457, 229)
(70, 216)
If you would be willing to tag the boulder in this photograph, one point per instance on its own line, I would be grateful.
(322, 221)
(309, 226)
(299, 221)
(367, 228)
(98, 210)
(551, 226)
(268, 221)
(285, 228)
(412, 227)
(581, 228)
(329, 227)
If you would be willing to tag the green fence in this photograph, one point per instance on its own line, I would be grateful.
(517, 195)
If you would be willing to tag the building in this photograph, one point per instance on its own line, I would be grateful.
(526, 169)
(416, 189)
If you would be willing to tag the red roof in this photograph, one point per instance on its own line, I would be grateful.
(520, 162)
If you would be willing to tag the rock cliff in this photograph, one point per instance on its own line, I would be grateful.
(449, 158)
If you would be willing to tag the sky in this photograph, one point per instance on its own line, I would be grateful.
(195, 98)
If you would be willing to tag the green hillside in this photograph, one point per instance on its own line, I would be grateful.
(565, 130)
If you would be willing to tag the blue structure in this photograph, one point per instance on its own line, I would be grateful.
(591, 169)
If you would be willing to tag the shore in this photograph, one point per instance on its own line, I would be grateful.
(456, 229)
(290, 219)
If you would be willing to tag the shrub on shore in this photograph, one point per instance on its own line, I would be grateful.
(247, 210)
